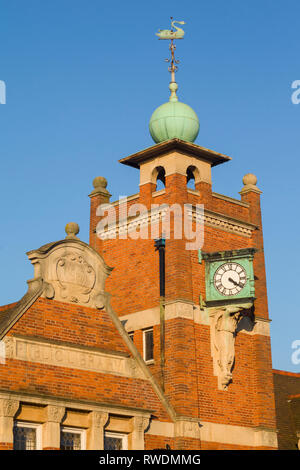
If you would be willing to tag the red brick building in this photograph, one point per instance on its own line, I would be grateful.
(171, 347)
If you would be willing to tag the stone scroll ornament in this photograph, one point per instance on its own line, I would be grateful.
(223, 332)
(76, 278)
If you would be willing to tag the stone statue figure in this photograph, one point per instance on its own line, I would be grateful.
(225, 322)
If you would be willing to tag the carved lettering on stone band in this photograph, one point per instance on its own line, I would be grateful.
(65, 356)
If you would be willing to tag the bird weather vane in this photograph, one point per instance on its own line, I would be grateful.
(171, 35)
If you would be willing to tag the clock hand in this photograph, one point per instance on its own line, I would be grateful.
(234, 282)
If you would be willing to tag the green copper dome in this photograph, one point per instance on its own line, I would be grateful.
(174, 120)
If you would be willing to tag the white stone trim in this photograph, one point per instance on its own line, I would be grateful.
(125, 199)
(195, 192)
(214, 432)
(73, 404)
(231, 199)
(51, 429)
(210, 219)
(181, 309)
(159, 192)
(222, 222)
(132, 224)
(140, 320)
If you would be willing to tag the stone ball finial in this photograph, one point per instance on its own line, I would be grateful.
(72, 229)
(99, 182)
(249, 179)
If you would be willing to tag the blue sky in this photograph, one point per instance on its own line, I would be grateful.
(83, 78)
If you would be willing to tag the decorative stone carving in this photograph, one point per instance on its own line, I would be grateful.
(223, 222)
(71, 271)
(142, 423)
(55, 413)
(51, 428)
(49, 291)
(101, 300)
(99, 419)
(8, 407)
(143, 220)
(209, 218)
(224, 322)
(76, 278)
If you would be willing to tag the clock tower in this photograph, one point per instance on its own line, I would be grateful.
(203, 305)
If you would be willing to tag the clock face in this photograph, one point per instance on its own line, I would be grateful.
(230, 278)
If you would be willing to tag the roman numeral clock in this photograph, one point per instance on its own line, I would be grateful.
(229, 276)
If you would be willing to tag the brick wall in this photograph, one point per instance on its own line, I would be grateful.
(75, 326)
(285, 385)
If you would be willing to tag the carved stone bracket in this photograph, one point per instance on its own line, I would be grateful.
(223, 330)
(8, 407)
(139, 425)
(55, 413)
(51, 428)
(98, 419)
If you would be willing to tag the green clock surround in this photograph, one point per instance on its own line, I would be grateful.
(229, 275)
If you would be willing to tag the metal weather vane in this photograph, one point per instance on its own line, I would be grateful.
(171, 35)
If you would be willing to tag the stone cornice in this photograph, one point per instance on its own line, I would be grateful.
(74, 403)
(132, 223)
(224, 222)
(210, 218)
(232, 254)
(207, 431)
(123, 200)
(230, 199)
(188, 148)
